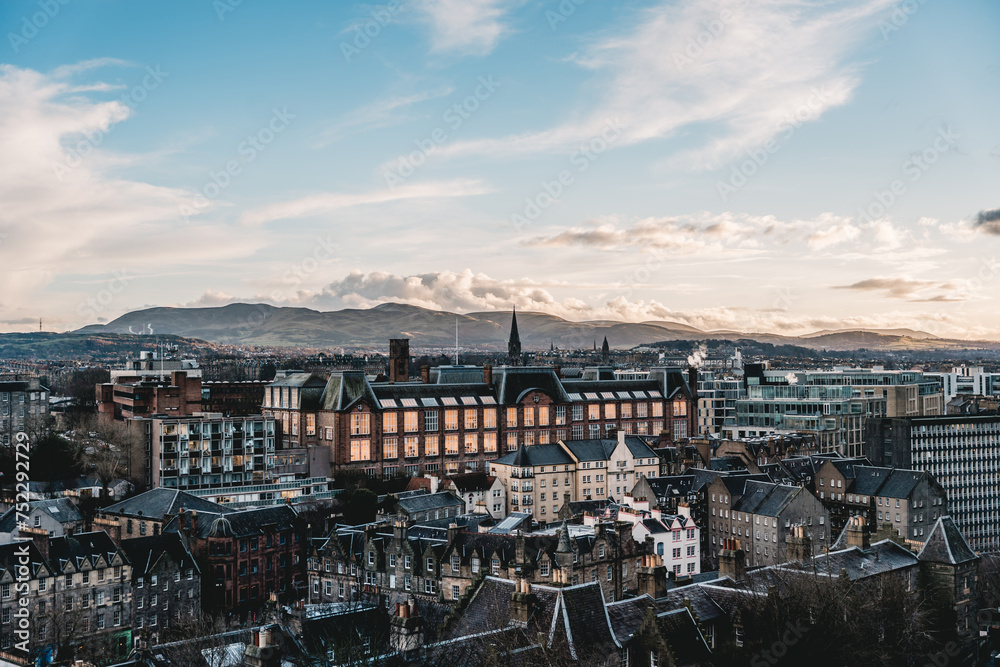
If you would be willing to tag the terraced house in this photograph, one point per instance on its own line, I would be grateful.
(442, 564)
(460, 417)
(541, 478)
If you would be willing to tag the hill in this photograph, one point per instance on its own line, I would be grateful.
(264, 325)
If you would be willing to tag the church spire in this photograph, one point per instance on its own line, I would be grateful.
(514, 344)
(605, 352)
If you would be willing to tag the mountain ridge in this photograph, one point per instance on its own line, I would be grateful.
(264, 325)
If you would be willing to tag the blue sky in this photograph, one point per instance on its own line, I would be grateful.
(759, 165)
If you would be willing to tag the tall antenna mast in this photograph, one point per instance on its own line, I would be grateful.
(456, 340)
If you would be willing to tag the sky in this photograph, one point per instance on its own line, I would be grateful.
(755, 165)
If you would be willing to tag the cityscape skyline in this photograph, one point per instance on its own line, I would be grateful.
(753, 166)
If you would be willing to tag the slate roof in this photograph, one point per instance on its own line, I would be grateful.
(145, 552)
(676, 486)
(157, 503)
(946, 544)
(704, 606)
(457, 375)
(77, 549)
(472, 481)
(10, 560)
(241, 523)
(310, 386)
(344, 389)
(511, 383)
(601, 449)
(869, 479)
(61, 509)
(429, 501)
(881, 557)
(489, 609)
(900, 483)
(583, 620)
(626, 616)
(535, 455)
(687, 645)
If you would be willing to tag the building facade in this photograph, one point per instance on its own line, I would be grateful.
(458, 423)
(962, 453)
(541, 478)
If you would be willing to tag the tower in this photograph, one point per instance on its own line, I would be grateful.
(514, 344)
(399, 359)
(605, 352)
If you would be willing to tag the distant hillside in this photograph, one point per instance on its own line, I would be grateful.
(263, 325)
(83, 347)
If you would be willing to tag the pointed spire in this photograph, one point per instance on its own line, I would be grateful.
(605, 352)
(514, 344)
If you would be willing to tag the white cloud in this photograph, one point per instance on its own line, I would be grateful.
(473, 27)
(468, 291)
(63, 211)
(772, 65)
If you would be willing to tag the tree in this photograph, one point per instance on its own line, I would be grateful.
(360, 507)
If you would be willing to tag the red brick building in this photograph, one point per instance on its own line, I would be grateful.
(246, 556)
(468, 415)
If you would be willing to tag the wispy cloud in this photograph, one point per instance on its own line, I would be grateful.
(913, 290)
(327, 202)
(769, 61)
(381, 113)
(468, 27)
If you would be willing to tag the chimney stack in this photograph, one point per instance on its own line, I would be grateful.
(732, 561)
(857, 533)
(558, 370)
(39, 536)
(652, 577)
(399, 360)
(406, 628)
(522, 602)
(488, 374)
(425, 374)
(452, 532)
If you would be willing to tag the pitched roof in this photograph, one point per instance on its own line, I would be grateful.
(157, 503)
(901, 483)
(145, 552)
(81, 547)
(535, 455)
(946, 544)
(582, 618)
(241, 523)
(429, 501)
(626, 616)
(513, 382)
(869, 479)
(62, 510)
